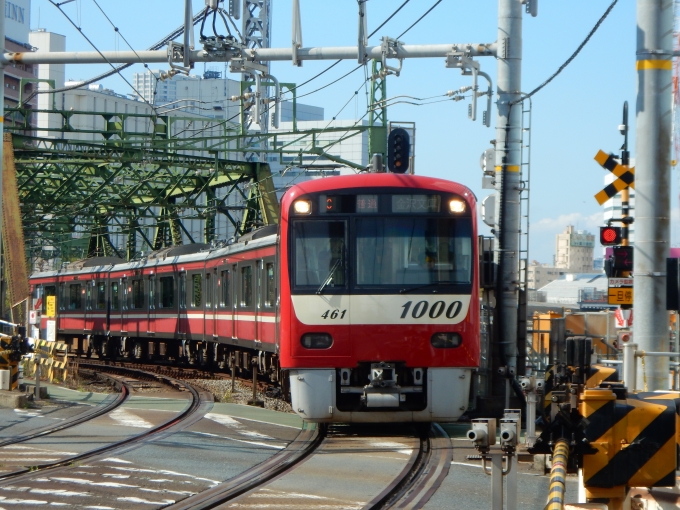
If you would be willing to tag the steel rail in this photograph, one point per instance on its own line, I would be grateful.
(187, 417)
(78, 419)
(421, 477)
(309, 439)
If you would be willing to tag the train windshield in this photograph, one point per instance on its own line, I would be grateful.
(408, 251)
(320, 254)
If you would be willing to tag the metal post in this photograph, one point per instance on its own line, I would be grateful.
(532, 401)
(630, 366)
(653, 181)
(511, 479)
(497, 480)
(2, 136)
(508, 160)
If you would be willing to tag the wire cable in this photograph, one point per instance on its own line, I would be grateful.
(419, 19)
(572, 57)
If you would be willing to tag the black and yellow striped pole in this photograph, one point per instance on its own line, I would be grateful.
(558, 475)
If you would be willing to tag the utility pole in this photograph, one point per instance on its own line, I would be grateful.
(508, 159)
(2, 146)
(652, 185)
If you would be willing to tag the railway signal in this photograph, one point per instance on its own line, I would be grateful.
(610, 236)
(398, 151)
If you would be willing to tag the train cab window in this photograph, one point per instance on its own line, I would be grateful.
(48, 291)
(270, 286)
(115, 298)
(137, 301)
(101, 295)
(196, 290)
(319, 254)
(183, 290)
(167, 297)
(247, 286)
(152, 292)
(413, 251)
(75, 297)
(224, 286)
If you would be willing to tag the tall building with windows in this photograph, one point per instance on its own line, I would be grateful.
(574, 250)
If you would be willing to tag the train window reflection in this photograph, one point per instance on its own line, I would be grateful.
(246, 286)
(137, 294)
(101, 295)
(115, 301)
(270, 292)
(319, 254)
(225, 284)
(413, 251)
(167, 292)
(197, 294)
(75, 301)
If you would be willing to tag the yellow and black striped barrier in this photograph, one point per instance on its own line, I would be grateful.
(6, 362)
(635, 439)
(53, 356)
(558, 476)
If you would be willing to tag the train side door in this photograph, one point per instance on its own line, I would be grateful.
(151, 325)
(87, 309)
(233, 295)
(125, 305)
(215, 304)
(225, 319)
(208, 315)
(259, 268)
(182, 318)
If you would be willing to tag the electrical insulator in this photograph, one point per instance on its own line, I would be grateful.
(212, 4)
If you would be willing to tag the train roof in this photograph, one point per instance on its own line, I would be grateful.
(262, 237)
(380, 180)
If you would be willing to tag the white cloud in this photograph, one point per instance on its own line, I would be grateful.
(557, 225)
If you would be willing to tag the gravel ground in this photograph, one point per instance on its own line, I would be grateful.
(221, 389)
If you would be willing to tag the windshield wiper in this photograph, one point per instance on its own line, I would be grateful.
(329, 277)
(431, 284)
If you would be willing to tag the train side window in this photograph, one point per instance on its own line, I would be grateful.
(126, 294)
(167, 297)
(270, 286)
(62, 296)
(247, 286)
(225, 288)
(152, 292)
(75, 301)
(88, 295)
(137, 294)
(197, 290)
(183, 290)
(208, 289)
(49, 290)
(101, 295)
(115, 300)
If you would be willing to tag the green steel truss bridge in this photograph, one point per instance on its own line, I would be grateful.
(77, 185)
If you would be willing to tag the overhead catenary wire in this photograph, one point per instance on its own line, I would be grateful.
(572, 57)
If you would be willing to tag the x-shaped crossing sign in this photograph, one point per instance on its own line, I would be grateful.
(625, 177)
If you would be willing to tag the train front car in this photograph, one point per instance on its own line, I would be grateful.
(379, 298)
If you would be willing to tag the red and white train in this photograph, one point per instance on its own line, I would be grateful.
(362, 303)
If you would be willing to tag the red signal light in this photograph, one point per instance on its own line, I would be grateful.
(610, 236)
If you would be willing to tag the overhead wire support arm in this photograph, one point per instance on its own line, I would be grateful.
(405, 51)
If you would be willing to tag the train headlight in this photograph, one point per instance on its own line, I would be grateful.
(456, 206)
(446, 340)
(302, 206)
(316, 340)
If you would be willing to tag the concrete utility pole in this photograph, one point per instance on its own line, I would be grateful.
(2, 134)
(652, 185)
(508, 159)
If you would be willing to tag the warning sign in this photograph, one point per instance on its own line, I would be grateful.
(51, 306)
(621, 296)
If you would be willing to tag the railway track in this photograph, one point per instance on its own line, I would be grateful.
(200, 404)
(423, 473)
(109, 405)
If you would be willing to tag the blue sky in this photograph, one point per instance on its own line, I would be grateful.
(573, 117)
